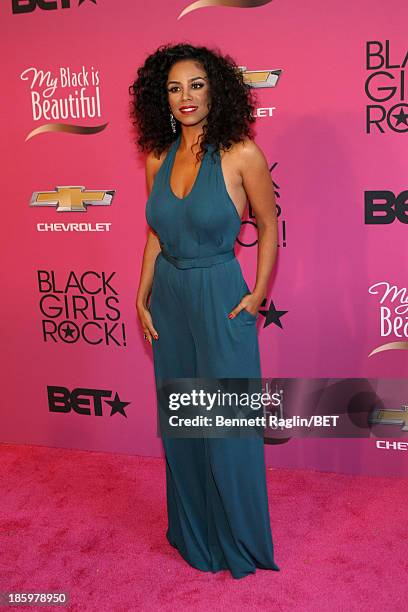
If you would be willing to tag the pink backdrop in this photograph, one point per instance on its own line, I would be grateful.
(312, 126)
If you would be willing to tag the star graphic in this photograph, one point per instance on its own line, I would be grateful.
(272, 315)
(81, 1)
(401, 117)
(117, 405)
(68, 331)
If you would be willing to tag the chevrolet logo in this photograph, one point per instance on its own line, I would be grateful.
(72, 199)
(384, 416)
(261, 78)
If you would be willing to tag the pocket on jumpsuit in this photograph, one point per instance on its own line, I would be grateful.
(244, 315)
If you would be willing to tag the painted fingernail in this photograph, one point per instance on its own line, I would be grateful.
(156, 336)
(230, 316)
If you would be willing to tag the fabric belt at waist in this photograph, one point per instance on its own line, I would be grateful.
(198, 262)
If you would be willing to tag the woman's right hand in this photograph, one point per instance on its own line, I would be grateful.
(146, 322)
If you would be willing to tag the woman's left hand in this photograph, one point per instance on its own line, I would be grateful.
(250, 302)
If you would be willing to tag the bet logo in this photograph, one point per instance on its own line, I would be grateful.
(383, 207)
(28, 6)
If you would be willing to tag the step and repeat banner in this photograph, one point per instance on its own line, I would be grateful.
(332, 119)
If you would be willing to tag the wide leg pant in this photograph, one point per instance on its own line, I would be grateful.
(217, 500)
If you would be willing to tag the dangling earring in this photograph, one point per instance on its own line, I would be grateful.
(172, 122)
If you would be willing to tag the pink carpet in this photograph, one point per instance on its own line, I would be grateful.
(93, 525)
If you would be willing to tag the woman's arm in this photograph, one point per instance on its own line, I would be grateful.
(151, 250)
(257, 182)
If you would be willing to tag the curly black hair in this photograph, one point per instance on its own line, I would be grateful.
(232, 100)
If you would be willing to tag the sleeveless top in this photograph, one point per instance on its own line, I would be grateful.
(203, 223)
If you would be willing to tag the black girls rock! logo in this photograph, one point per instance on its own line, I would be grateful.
(80, 308)
(385, 86)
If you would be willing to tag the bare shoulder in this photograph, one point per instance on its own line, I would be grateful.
(247, 155)
(153, 162)
(152, 165)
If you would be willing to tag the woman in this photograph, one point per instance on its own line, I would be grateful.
(193, 113)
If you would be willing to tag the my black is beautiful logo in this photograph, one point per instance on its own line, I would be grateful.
(393, 319)
(385, 87)
(198, 4)
(60, 97)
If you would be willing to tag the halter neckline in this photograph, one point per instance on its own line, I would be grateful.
(175, 146)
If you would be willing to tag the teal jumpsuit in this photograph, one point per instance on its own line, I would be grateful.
(217, 502)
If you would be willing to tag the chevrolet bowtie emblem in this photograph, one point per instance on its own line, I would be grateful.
(387, 416)
(261, 78)
(72, 199)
